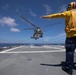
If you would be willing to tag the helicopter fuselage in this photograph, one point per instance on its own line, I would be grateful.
(37, 33)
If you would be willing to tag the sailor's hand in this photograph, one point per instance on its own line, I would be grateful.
(67, 30)
(44, 16)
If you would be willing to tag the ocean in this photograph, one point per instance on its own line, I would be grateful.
(18, 44)
(10, 44)
(4, 46)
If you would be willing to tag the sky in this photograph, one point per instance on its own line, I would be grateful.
(12, 26)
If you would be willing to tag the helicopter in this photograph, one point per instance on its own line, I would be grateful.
(38, 32)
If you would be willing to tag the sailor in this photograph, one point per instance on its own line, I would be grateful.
(70, 30)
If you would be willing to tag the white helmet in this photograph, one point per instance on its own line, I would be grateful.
(71, 6)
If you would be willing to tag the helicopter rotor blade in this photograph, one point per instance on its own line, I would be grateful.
(52, 24)
(28, 21)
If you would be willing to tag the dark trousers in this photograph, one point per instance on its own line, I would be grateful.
(70, 45)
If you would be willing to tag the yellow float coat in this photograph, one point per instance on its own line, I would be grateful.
(70, 21)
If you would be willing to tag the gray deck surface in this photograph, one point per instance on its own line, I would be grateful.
(28, 60)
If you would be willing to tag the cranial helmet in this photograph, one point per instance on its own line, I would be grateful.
(71, 6)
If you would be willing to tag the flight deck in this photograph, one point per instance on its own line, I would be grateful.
(33, 60)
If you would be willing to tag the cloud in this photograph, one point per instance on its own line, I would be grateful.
(62, 8)
(46, 38)
(14, 30)
(60, 37)
(3, 41)
(32, 13)
(8, 21)
(48, 8)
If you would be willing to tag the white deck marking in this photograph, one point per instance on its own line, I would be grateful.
(11, 49)
(49, 51)
(35, 51)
